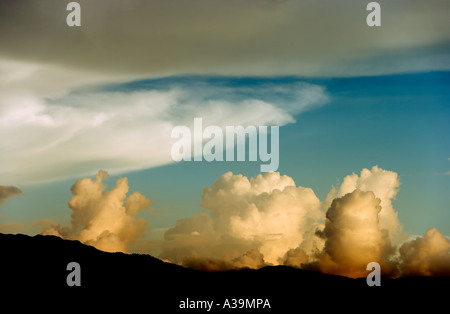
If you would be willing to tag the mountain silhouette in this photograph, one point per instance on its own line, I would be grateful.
(37, 267)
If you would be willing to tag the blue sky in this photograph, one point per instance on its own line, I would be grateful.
(398, 122)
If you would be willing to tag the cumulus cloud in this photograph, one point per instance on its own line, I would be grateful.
(353, 236)
(426, 256)
(268, 220)
(7, 192)
(245, 222)
(286, 224)
(296, 258)
(385, 185)
(104, 219)
(260, 221)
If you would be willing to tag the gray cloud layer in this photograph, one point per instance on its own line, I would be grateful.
(163, 37)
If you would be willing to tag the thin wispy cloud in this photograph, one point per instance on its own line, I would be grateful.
(124, 127)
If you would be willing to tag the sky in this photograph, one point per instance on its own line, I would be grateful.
(361, 110)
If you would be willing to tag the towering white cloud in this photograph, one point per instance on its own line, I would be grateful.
(264, 220)
(384, 184)
(268, 220)
(353, 236)
(104, 219)
(267, 214)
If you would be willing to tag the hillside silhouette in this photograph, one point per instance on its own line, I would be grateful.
(36, 266)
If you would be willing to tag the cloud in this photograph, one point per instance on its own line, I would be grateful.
(384, 184)
(104, 219)
(296, 257)
(353, 236)
(50, 113)
(260, 221)
(245, 222)
(228, 37)
(426, 256)
(268, 220)
(7, 192)
(251, 259)
(26, 228)
(78, 132)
